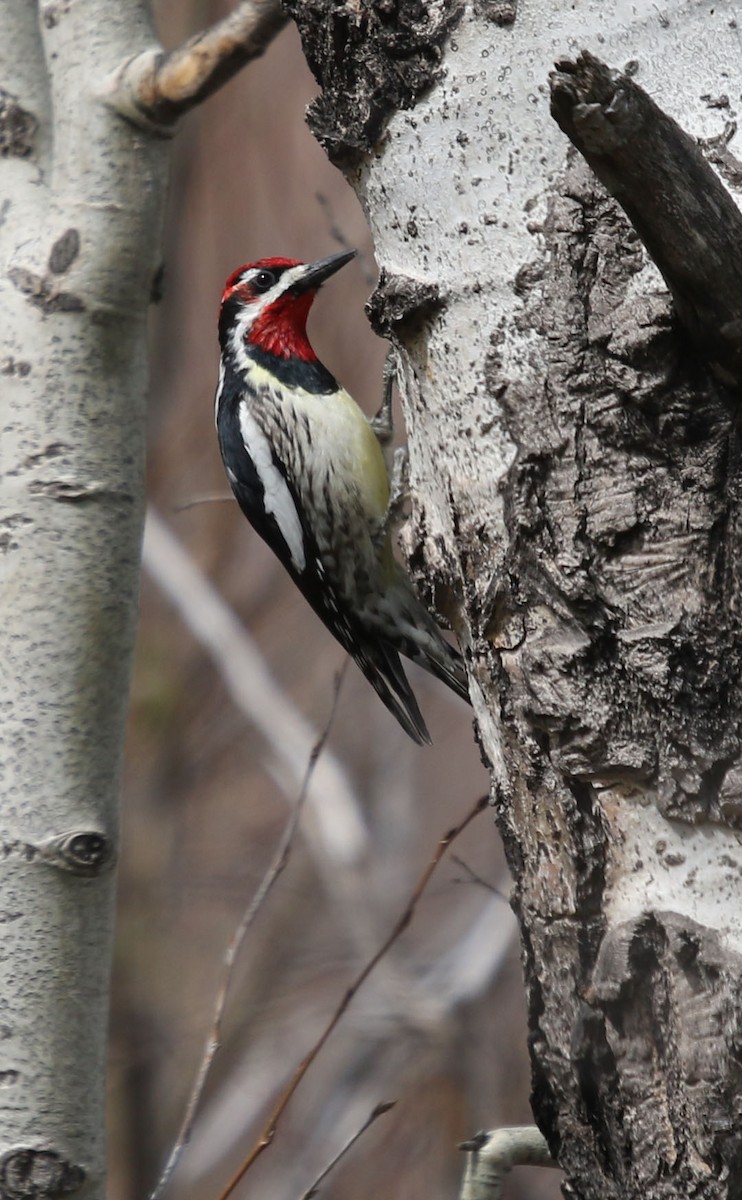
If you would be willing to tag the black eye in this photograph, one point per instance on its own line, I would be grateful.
(264, 281)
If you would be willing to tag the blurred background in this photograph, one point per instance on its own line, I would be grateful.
(440, 1026)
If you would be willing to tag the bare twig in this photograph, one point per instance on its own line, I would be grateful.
(491, 1156)
(379, 1111)
(337, 820)
(473, 877)
(275, 869)
(155, 89)
(269, 1130)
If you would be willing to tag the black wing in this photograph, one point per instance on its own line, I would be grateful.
(271, 505)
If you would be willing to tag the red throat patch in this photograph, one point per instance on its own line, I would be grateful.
(281, 329)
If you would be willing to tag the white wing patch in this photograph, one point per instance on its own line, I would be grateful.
(277, 499)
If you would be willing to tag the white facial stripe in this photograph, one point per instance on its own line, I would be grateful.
(277, 498)
(240, 357)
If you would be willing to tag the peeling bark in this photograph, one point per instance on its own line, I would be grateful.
(575, 464)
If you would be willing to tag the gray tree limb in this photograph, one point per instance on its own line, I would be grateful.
(492, 1156)
(674, 199)
(155, 89)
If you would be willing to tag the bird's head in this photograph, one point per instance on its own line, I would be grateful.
(266, 304)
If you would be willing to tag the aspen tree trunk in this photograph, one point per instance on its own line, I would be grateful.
(574, 444)
(88, 101)
(81, 197)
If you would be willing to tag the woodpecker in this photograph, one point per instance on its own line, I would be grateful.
(309, 473)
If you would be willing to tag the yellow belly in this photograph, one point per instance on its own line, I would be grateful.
(344, 447)
(347, 448)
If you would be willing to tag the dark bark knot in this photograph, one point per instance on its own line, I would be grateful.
(54, 11)
(17, 128)
(83, 852)
(28, 1174)
(15, 367)
(371, 59)
(399, 303)
(64, 252)
(500, 12)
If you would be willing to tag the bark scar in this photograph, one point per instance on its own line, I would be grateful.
(30, 1174)
(371, 60)
(399, 302)
(17, 127)
(43, 293)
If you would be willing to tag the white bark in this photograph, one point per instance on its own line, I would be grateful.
(524, 306)
(81, 204)
(492, 1156)
(86, 103)
(469, 167)
(454, 200)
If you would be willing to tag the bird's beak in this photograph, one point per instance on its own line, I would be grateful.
(314, 274)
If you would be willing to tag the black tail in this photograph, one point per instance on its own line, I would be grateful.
(381, 666)
(443, 661)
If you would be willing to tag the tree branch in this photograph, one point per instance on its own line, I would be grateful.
(269, 1131)
(155, 89)
(378, 1111)
(493, 1155)
(275, 869)
(682, 212)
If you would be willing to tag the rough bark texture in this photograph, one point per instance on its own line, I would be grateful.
(617, 630)
(576, 515)
(383, 58)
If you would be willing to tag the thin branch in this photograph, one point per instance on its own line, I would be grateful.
(379, 1111)
(491, 1156)
(269, 1131)
(683, 214)
(155, 89)
(474, 877)
(338, 821)
(275, 869)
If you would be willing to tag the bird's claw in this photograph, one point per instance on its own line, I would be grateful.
(383, 423)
